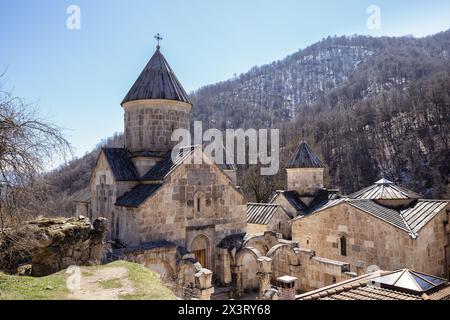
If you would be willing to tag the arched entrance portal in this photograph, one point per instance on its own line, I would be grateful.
(201, 248)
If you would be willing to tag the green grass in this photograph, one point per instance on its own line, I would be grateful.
(147, 285)
(87, 274)
(110, 284)
(27, 288)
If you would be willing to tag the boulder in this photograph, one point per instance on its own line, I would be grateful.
(52, 244)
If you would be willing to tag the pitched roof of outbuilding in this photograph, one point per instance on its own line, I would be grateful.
(122, 166)
(418, 214)
(157, 81)
(385, 190)
(261, 213)
(304, 157)
(83, 196)
(137, 196)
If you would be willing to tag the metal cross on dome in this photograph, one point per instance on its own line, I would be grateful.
(158, 38)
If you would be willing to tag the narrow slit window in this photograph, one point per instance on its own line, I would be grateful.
(343, 246)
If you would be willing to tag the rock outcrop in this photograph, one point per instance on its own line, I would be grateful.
(48, 245)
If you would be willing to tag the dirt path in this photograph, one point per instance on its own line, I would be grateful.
(102, 284)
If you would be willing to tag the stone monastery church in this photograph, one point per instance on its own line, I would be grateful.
(192, 224)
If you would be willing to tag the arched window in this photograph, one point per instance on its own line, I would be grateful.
(343, 246)
(199, 203)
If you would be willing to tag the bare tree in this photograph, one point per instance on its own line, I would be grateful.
(28, 144)
(259, 187)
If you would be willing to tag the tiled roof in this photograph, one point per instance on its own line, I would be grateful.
(261, 213)
(157, 81)
(138, 195)
(385, 189)
(121, 164)
(362, 288)
(166, 165)
(304, 157)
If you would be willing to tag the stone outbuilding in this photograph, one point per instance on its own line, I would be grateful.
(383, 225)
(262, 217)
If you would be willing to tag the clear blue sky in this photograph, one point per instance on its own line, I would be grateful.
(79, 77)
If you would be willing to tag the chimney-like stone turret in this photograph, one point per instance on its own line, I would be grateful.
(305, 171)
(287, 287)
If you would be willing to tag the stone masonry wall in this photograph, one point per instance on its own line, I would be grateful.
(430, 247)
(317, 272)
(305, 180)
(171, 213)
(370, 241)
(104, 192)
(287, 206)
(149, 124)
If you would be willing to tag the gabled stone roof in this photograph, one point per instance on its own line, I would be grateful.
(83, 196)
(293, 197)
(167, 165)
(304, 157)
(157, 81)
(321, 197)
(120, 162)
(138, 195)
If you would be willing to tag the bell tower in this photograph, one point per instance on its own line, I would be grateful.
(155, 106)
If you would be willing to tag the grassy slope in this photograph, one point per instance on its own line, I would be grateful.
(53, 287)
